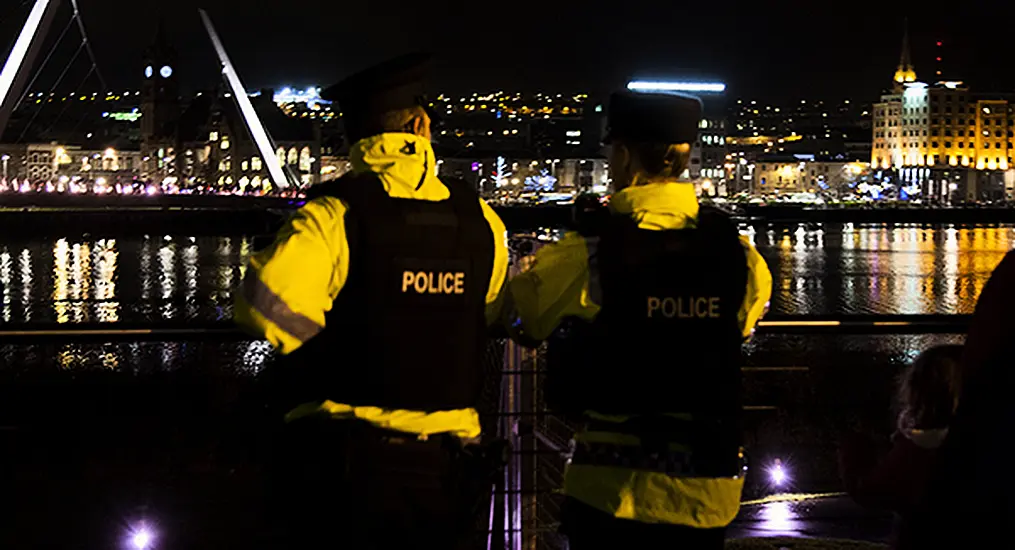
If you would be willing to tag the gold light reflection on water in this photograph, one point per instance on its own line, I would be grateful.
(895, 269)
(190, 270)
(61, 255)
(107, 308)
(25, 263)
(167, 278)
(5, 282)
(146, 269)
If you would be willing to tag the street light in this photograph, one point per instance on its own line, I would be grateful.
(5, 158)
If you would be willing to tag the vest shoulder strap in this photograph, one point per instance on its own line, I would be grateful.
(714, 219)
(463, 196)
(350, 187)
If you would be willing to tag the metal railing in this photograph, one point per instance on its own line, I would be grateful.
(226, 330)
(530, 491)
(524, 508)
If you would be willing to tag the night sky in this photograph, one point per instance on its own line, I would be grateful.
(765, 50)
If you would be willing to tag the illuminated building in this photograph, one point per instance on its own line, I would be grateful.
(514, 124)
(569, 174)
(804, 126)
(217, 151)
(301, 103)
(160, 106)
(708, 153)
(784, 174)
(943, 133)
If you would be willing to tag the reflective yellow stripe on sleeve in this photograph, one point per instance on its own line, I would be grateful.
(272, 308)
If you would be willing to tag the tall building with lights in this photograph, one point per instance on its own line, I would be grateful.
(951, 141)
(160, 106)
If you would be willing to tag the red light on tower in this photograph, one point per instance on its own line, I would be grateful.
(939, 44)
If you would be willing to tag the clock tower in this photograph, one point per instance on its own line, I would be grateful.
(160, 94)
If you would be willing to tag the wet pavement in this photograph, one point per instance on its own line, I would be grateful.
(833, 516)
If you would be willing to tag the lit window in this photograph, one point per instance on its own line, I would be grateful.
(225, 144)
(213, 136)
(255, 163)
(244, 166)
(305, 159)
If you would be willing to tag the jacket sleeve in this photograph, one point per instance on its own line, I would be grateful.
(759, 289)
(556, 286)
(498, 275)
(288, 286)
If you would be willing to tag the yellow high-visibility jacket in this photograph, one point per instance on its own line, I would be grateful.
(557, 286)
(289, 285)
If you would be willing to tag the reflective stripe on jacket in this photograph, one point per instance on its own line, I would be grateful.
(561, 284)
(290, 285)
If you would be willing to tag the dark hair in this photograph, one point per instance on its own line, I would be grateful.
(929, 388)
(660, 160)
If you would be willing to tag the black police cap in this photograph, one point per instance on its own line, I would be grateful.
(398, 83)
(653, 117)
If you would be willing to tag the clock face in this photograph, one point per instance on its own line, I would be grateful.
(166, 71)
(148, 71)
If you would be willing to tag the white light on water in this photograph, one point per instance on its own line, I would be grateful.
(649, 86)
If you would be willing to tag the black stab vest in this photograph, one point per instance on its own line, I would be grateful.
(407, 329)
(667, 339)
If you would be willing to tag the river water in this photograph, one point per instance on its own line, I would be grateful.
(808, 389)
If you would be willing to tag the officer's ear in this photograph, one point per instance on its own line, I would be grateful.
(620, 164)
(419, 124)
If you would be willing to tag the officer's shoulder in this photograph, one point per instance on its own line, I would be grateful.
(711, 216)
(458, 186)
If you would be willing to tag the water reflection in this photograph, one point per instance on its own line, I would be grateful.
(25, 263)
(5, 282)
(167, 277)
(881, 269)
(107, 308)
(74, 280)
(779, 518)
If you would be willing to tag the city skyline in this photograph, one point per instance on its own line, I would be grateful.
(792, 49)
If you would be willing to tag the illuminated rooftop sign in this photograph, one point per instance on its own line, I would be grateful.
(131, 116)
(662, 86)
(309, 96)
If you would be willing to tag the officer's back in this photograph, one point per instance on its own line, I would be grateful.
(377, 293)
(648, 308)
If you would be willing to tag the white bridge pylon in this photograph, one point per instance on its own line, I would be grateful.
(257, 131)
(12, 77)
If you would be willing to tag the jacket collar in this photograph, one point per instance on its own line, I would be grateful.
(658, 206)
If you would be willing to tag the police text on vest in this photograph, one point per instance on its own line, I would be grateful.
(430, 282)
(688, 307)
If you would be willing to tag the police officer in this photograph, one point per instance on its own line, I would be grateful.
(648, 310)
(378, 292)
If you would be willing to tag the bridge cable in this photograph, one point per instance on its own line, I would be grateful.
(51, 91)
(45, 62)
(88, 44)
(67, 104)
